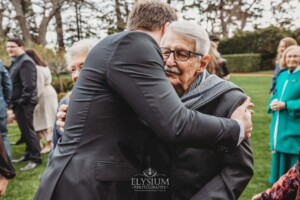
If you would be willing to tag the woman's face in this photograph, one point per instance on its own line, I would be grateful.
(281, 47)
(292, 58)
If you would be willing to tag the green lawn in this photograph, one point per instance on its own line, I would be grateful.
(24, 185)
(258, 89)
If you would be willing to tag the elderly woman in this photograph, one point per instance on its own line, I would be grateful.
(283, 44)
(284, 106)
(75, 57)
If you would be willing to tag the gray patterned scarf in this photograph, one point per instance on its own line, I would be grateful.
(204, 89)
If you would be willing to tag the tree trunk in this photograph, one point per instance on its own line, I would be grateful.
(120, 21)
(43, 31)
(77, 21)
(22, 21)
(59, 30)
(2, 32)
(222, 15)
(56, 5)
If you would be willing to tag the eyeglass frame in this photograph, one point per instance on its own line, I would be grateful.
(174, 54)
(73, 70)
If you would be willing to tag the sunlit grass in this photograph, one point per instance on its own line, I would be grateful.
(258, 89)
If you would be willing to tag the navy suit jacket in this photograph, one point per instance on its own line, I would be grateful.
(5, 90)
(23, 76)
(121, 92)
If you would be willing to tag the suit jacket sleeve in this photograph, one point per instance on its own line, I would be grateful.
(237, 170)
(28, 79)
(7, 86)
(135, 72)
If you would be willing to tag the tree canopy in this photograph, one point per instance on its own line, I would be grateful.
(61, 22)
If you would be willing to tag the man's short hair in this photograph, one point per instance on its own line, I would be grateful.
(193, 31)
(150, 15)
(18, 41)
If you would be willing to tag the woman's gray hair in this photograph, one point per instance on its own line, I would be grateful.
(192, 31)
(81, 47)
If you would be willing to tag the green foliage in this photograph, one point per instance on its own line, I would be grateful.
(3, 55)
(263, 41)
(24, 185)
(61, 95)
(243, 62)
(62, 83)
(55, 60)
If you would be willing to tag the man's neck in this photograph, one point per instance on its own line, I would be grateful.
(15, 57)
(156, 35)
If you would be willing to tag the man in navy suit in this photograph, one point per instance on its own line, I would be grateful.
(24, 99)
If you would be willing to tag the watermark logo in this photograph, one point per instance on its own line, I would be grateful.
(150, 180)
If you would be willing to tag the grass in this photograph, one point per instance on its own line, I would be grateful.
(258, 89)
(24, 185)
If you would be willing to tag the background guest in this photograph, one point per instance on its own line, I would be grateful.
(5, 96)
(284, 106)
(75, 57)
(24, 99)
(45, 110)
(217, 65)
(287, 187)
(283, 44)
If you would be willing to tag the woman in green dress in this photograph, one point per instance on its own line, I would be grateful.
(284, 106)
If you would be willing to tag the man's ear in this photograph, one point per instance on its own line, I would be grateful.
(165, 27)
(203, 63)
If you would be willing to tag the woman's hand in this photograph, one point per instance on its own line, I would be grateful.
(3, 185)
(277, 105)
(257, 197)
(61, 116)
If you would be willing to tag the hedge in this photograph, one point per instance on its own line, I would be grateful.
(263, 41)
(65, 86)
(243, 62)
